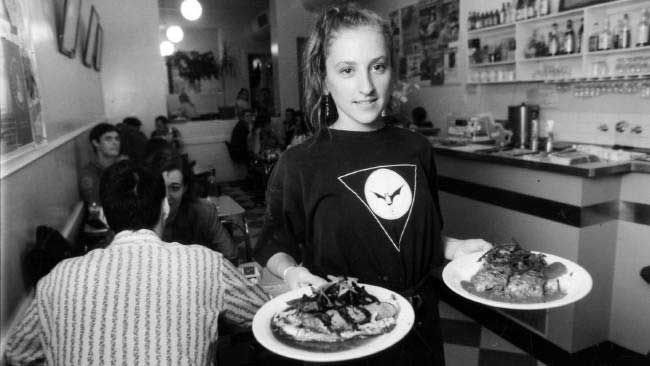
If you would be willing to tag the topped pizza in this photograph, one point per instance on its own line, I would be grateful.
(335, 313)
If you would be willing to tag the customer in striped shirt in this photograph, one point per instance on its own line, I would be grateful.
(139, 301)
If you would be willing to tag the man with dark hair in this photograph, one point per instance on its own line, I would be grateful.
(139, 301)
(105, 141)
(240, 148)
(133, 140)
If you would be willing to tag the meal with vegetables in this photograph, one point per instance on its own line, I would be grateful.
(512, 274)
(333, 315)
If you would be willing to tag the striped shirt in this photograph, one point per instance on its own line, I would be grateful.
(140, 301)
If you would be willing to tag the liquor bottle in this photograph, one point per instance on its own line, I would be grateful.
(605, 38)
(569, 38)
(543, 8)
(521, 11)
(553, 46)
(593, 38)
(531, 12)
(580, 34)
(625, 38)
(502, 14)
(509, 14)
(642, 35)
(616, 32)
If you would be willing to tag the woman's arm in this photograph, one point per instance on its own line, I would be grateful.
(455, 248)
(284, 266)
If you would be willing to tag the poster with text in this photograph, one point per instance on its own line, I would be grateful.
(411, 45)
(21, 123)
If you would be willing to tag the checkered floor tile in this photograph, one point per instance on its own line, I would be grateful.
(467, 343)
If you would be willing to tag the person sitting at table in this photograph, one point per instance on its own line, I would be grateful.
(105, 141)
(419, 115)
(302, 132)
(166, 132)
(140, 300)
(187, 109)
(191, 220)
(133, 140)
(239, 147)
(264, 141)
(289, 125)
(243, 100)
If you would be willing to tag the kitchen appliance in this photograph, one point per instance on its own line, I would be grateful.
(519, 122)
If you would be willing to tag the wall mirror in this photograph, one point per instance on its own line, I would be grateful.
(91, 38)
(99, 47)
(68, 27)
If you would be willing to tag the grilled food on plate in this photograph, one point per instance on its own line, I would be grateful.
(512, 274)
(336, 313)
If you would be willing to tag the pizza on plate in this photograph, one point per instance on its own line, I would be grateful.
(338, 312)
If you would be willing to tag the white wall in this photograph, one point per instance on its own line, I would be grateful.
(134, 74)
(289, 20)
(71, 94)
(44, 190)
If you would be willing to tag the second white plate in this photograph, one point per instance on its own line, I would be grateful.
(576, 282)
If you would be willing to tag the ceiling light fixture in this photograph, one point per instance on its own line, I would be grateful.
(175, 33)
(166, 48)
(191, 9)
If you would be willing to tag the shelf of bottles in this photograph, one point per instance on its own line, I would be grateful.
(598, 42)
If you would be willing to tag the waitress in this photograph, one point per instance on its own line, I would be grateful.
(359, 199)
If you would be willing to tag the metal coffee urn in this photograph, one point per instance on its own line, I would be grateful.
(519, 122)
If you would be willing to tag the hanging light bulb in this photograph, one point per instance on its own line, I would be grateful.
(175, 33)
(166, 48)
(191, 9)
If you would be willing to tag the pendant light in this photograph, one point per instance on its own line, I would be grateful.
(174, 33)
(166, 48)
(191, 9)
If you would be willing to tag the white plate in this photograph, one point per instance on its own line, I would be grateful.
(263, 334)
(576, 282)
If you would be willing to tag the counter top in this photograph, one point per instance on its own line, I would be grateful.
(587, 170)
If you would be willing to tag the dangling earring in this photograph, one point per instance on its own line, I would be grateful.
(384, 113)
(327, 106)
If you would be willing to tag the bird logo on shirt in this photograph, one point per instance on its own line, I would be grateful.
(387, 192)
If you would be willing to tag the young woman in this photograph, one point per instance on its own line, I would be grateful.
(359, 199)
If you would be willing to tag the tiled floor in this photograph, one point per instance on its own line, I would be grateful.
(466, 342)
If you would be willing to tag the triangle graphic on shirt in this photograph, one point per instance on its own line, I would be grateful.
(387, 192)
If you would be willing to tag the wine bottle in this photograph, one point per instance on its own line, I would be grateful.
(625, 38)
(642, 30)
(569, 38)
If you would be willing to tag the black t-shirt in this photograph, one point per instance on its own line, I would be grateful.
(361, 204)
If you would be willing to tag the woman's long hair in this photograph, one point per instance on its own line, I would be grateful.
(320, 108)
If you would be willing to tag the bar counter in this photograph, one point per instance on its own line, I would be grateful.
(588, 170)
(596, 214)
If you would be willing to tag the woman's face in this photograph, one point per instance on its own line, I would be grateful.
(358, 77)
(175, 190)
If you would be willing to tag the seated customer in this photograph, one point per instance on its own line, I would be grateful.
(239, 147)
(133, 140)
(166, 132)
(105, 141)
(192, 220)
(139, 301)
(419, 115)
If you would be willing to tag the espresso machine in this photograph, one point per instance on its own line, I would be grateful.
(520, 119)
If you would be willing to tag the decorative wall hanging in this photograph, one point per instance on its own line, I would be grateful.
(91, 38)
(68, 27)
